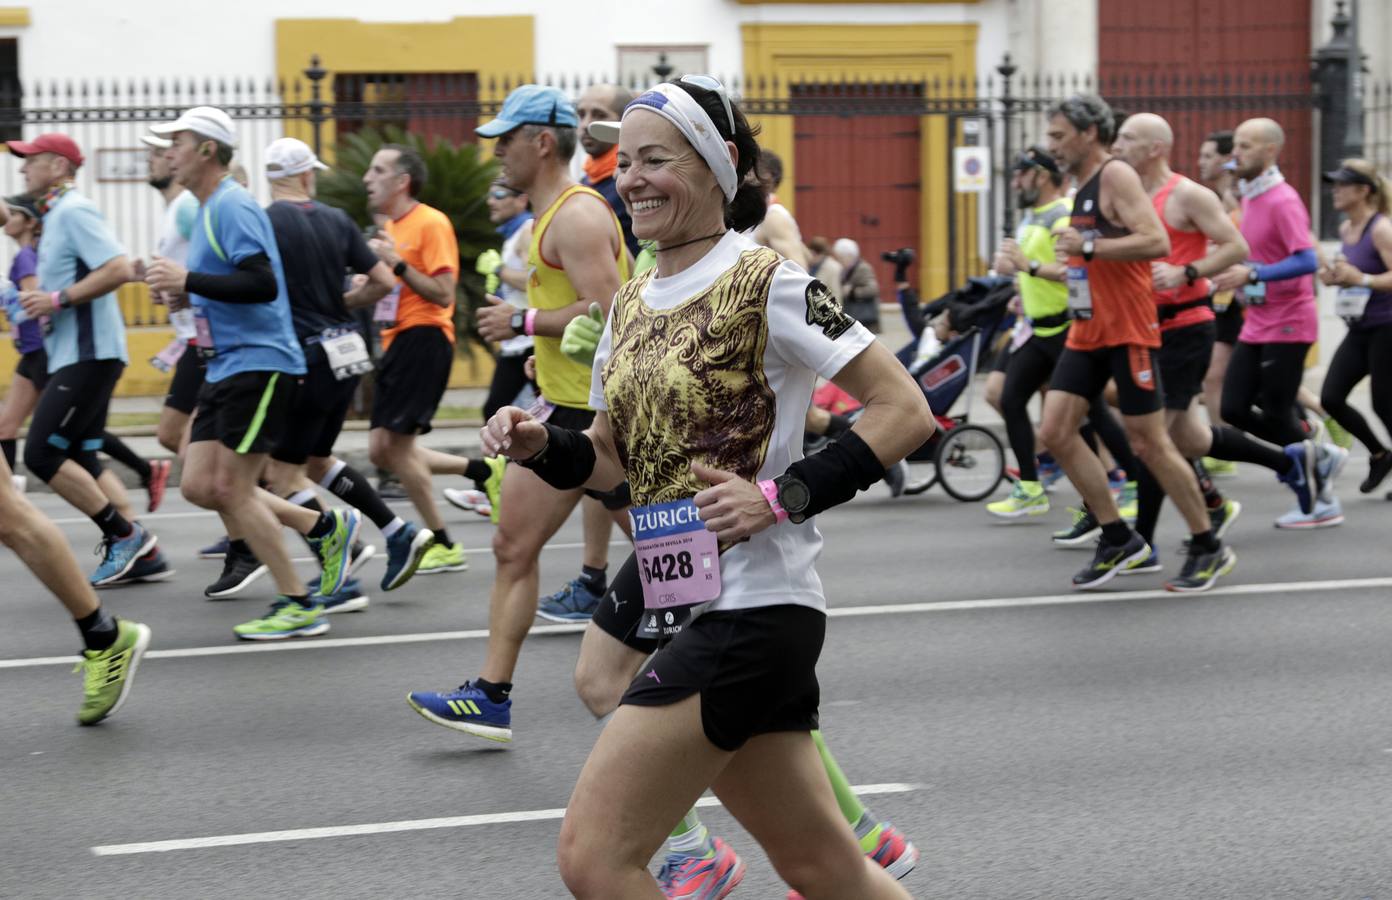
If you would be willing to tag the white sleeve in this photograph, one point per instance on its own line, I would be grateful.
(807, 325)
(601, 356)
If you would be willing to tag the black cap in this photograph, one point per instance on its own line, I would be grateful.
(1036, 157)
(25, 204)
(1345, 175)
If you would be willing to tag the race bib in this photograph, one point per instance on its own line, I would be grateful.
(203, 336)
(1022, 333)
(385, 310)
(678, 559)
(541, 408)
(168, 358)
(346, 351)
(1254, 294)
(1350, 302)
(1079, 293)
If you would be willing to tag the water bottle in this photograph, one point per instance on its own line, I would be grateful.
(9, 298)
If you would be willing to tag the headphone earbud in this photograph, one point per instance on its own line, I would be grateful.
(204, 152)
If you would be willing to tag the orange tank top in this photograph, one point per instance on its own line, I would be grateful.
(1186, 247)
(1123, 308)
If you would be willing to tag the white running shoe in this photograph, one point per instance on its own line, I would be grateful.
(469, 500)
(1326, 514)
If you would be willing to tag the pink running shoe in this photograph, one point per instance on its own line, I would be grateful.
(684, 877)
(159, 479)
(894, 853)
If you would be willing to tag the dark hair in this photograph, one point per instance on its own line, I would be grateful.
(224, 152)
(751, 199)
(565, 138)
(1084, 111)
(409, 162)
(1223, 140)
(819, 245)
(771, 164)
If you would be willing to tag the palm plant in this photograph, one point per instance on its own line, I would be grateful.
(457, 182)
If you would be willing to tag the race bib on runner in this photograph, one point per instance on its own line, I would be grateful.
(168, 358)
(1079, 293)
(346, 351)
(385, 310)
(203, 336)
(678, 559)
(1350, 302)
(541, 409)
(1254, 294)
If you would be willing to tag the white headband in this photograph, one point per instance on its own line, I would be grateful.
(681, 109)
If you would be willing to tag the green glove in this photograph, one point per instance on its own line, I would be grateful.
(490, 284)
(581, 336)
(488, 262)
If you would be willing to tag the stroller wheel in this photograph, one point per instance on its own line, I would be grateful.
(970, 463)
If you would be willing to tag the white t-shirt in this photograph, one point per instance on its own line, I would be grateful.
(513, 259)
(805, 340)
(173, 242)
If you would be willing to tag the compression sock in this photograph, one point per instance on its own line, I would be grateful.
(1232, 444)
(111, 522)
(690, 836)
(98, 629)
(867, 828)
(1149, 498)
(1213, 498)
(348, 484)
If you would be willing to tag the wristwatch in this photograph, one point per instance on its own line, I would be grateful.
(518, 322)
(794, 497)
(1191, 274)
(1034, 265)
(399, 270)
(1088, 247)
(1252, 275)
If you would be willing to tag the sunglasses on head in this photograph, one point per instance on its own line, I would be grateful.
(712, 84)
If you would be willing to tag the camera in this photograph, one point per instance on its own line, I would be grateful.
(902, 257)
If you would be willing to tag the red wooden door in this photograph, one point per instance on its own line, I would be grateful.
(858, 169)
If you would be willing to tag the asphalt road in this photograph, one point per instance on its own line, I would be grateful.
(1033, 742)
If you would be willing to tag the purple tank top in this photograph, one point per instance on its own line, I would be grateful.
(28, 337)
(1364, 257)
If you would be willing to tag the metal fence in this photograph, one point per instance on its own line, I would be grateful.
(870, 157)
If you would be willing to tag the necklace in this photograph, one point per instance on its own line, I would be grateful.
(709, 237)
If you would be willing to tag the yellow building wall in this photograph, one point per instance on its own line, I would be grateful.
(906, 52)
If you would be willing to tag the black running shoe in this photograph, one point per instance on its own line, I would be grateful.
(1378, 469)
(1202, 569)
(238, 571)
(1109, 560)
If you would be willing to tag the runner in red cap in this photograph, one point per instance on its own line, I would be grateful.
(52, 142)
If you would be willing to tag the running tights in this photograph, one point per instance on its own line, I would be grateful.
(1364, 352)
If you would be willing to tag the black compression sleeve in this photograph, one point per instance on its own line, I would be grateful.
(253, 282)
(567, 460)
(835, 473)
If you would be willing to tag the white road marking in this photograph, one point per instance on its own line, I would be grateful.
(308, 834)
(887, 609)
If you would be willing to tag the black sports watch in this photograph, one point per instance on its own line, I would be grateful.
(399, 270)
(794, 497)
(1191, 274)
(1252, 276)
(1088, 248)
(1034, 265)
(518, 322)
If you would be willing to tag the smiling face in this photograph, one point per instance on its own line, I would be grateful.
(669, 190)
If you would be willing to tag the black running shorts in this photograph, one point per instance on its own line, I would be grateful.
(1183, 360)
(187, 382)
(1229, 323)
(411, 380)
(1084, 373)
(34, 366)
(246, 412)
(755, 670)
(316, 416)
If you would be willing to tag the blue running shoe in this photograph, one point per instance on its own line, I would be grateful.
(1301, 477)
(573, 603)
(216, 550)
(150, 567)
(1147, 566)
(405, 550)
(1049, 473)
(349, 598)
(468, 710)
(120, 554)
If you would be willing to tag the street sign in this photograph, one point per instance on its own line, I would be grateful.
(971, 169)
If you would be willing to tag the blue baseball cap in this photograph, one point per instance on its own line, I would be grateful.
(532, 104)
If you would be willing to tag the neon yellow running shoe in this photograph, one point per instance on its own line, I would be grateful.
(1027, 498)
(1219, 468)
(287, 619)
(107, 674)
(1338, 434)
(444, 558)
(1127, 504)
(493, 487)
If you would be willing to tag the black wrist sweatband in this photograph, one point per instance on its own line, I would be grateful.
(835, 473)
(567, 460)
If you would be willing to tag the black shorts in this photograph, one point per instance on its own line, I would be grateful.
(320, 406)
(1084, 373)
(1229, 323)
(34, 366)
(1002, 360)
(189, 373)
(246, 412)
(1183, 361)
(411, 380)
(755, 669)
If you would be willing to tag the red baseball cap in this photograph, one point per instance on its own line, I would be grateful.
(51, 142)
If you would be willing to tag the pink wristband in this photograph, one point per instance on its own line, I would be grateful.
(771, 495)
(56, 299)
(529, 323)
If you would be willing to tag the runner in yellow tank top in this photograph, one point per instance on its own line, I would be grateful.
(563, 381)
